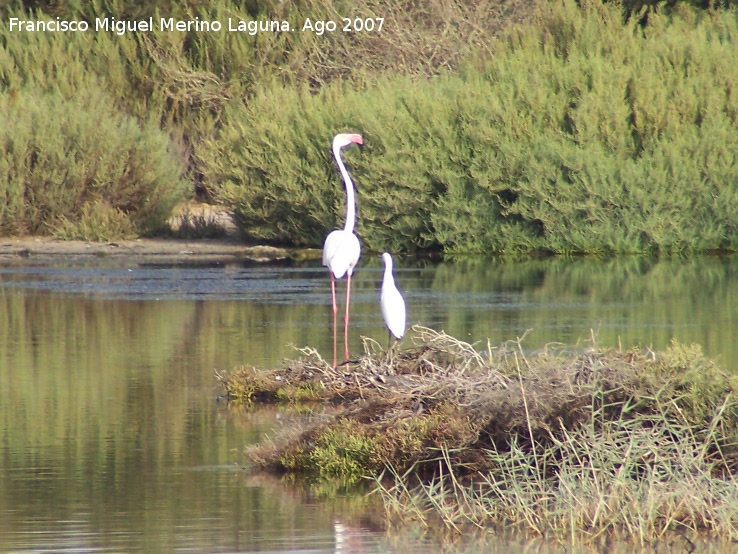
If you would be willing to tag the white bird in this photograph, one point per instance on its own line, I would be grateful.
(391, 301)
(341, 250)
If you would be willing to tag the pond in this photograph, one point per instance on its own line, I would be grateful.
(113, 437)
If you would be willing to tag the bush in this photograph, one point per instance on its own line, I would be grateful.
(609, 137)
(580, 134)
(184, 80)
(82, 164)
(575, 132)
(274, 166)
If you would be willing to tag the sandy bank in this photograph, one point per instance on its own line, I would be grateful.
(176, 250)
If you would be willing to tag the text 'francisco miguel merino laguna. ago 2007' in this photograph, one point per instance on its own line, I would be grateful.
(252, 27)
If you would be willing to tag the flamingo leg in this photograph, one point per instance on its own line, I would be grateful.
(335, 317)
(346, 318)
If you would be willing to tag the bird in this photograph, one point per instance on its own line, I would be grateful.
(391, 302)
(342, 249)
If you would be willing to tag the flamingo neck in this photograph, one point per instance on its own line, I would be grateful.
(350, 200)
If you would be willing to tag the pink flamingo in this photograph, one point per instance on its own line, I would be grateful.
(341, 250)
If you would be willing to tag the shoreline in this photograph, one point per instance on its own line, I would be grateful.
(170, 249)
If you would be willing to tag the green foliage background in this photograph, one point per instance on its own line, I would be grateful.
(490, 127)
(81, 169)
(580, 134)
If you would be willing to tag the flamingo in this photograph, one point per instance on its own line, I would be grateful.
(341, 250)
(391, 302)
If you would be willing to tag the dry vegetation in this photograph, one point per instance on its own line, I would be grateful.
(595, 443)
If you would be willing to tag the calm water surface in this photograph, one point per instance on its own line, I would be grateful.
(111, 435)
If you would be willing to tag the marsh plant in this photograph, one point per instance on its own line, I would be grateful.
(79, 168)
(182, 83)
(573, 445)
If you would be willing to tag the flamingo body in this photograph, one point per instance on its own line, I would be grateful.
(341, 252)
(391, 301)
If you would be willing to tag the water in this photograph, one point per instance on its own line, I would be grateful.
(111, 435)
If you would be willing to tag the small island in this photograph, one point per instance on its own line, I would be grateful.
(572, 444)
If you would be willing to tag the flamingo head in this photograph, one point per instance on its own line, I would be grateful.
(344, 139)
(387, 259)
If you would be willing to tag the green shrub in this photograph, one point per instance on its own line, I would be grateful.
(184, 80)
(580, 134)
(574, 132)
(624, 144)
(629, 147)
(273, 163)
(81, 164)
(97, 221)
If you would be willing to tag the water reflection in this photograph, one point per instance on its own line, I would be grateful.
(255, 313)
(111, 438)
